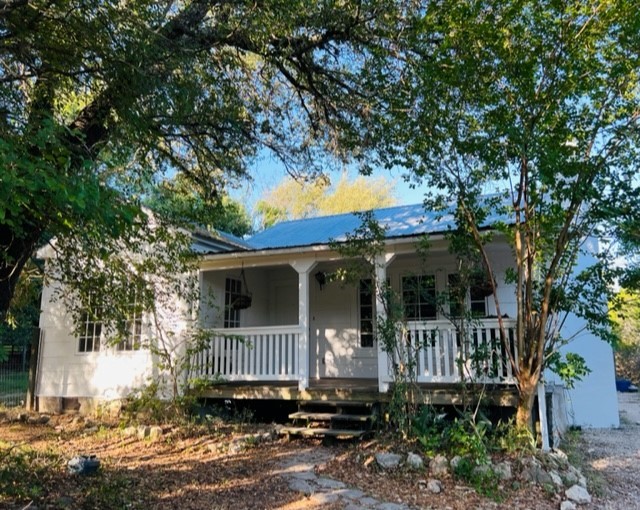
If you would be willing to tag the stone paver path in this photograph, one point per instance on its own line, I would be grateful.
(299, 471)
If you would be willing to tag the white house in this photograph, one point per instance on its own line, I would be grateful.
(284, 324)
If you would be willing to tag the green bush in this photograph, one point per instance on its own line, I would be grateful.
(506, 437)
(481, 477)
(468, 438)
(428, 427)
(146, 405)
(465, 435)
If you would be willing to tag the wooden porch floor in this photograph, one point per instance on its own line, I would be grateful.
(361, 390)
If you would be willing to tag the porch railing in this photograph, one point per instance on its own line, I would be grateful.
(251, 354)
(447, 354)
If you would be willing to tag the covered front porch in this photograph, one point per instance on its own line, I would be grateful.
(286, 329)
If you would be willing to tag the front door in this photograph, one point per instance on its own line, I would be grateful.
(337, 350)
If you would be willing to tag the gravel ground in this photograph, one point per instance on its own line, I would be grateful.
(614, 457)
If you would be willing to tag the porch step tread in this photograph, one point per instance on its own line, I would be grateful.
(304, 431)
(336, 403)
(329, 416)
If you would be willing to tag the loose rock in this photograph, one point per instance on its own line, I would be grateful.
(559, 458)
(568, 505)
(414, 461)
(143, 431)
(455, 462)
(503, 471)
(556, 479)
(434, 486)
(533, 472)
(155, 432)
(388, 460)
(578, 494)
(129, 431)
(439, 466)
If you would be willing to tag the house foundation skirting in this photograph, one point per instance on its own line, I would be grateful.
(86, 406)
(363, 391)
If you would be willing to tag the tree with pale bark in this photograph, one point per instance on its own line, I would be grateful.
(536, 106)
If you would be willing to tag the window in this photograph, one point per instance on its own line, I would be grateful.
(232, 291)
(367, 315)
(457, 295)
(419, 297)
(473, 298)
(90, 330)
(132, 340)
(478, 299)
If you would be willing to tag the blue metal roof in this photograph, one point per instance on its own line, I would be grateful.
(204, 241)
(399, 221)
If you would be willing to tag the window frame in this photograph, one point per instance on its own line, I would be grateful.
(232, 291)
(473, 298)
(93, 331)
(90, 339)
(366, 304)
(415, 308)
(133, 325)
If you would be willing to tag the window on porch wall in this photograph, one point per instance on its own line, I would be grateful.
(232, 291)
(419, 297)
(472, 298)
(367, 315)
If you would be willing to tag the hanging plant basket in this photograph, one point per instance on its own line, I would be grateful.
(242, 302)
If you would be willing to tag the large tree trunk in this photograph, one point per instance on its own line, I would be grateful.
(14, 254)
(527, 387)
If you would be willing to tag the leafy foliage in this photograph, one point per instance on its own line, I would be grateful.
(101, 100)
(484, 481)
(537, 105)
(571, 367)
(179, 201)
(21, 321)
(625, 314)
(295, 198)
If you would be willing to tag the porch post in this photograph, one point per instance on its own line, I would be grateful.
(303, 267)
(380, 263)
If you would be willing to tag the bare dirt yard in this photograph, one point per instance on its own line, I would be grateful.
(247, 467)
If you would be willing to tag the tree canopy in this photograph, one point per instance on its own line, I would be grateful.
(625, 315)
(295, 198)
(98, 99)
(537, 103)
(179, 201)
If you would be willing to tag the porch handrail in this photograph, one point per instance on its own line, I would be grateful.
(261, 353)
(446, 354)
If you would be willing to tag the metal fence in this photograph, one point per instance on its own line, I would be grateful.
(14, 376)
